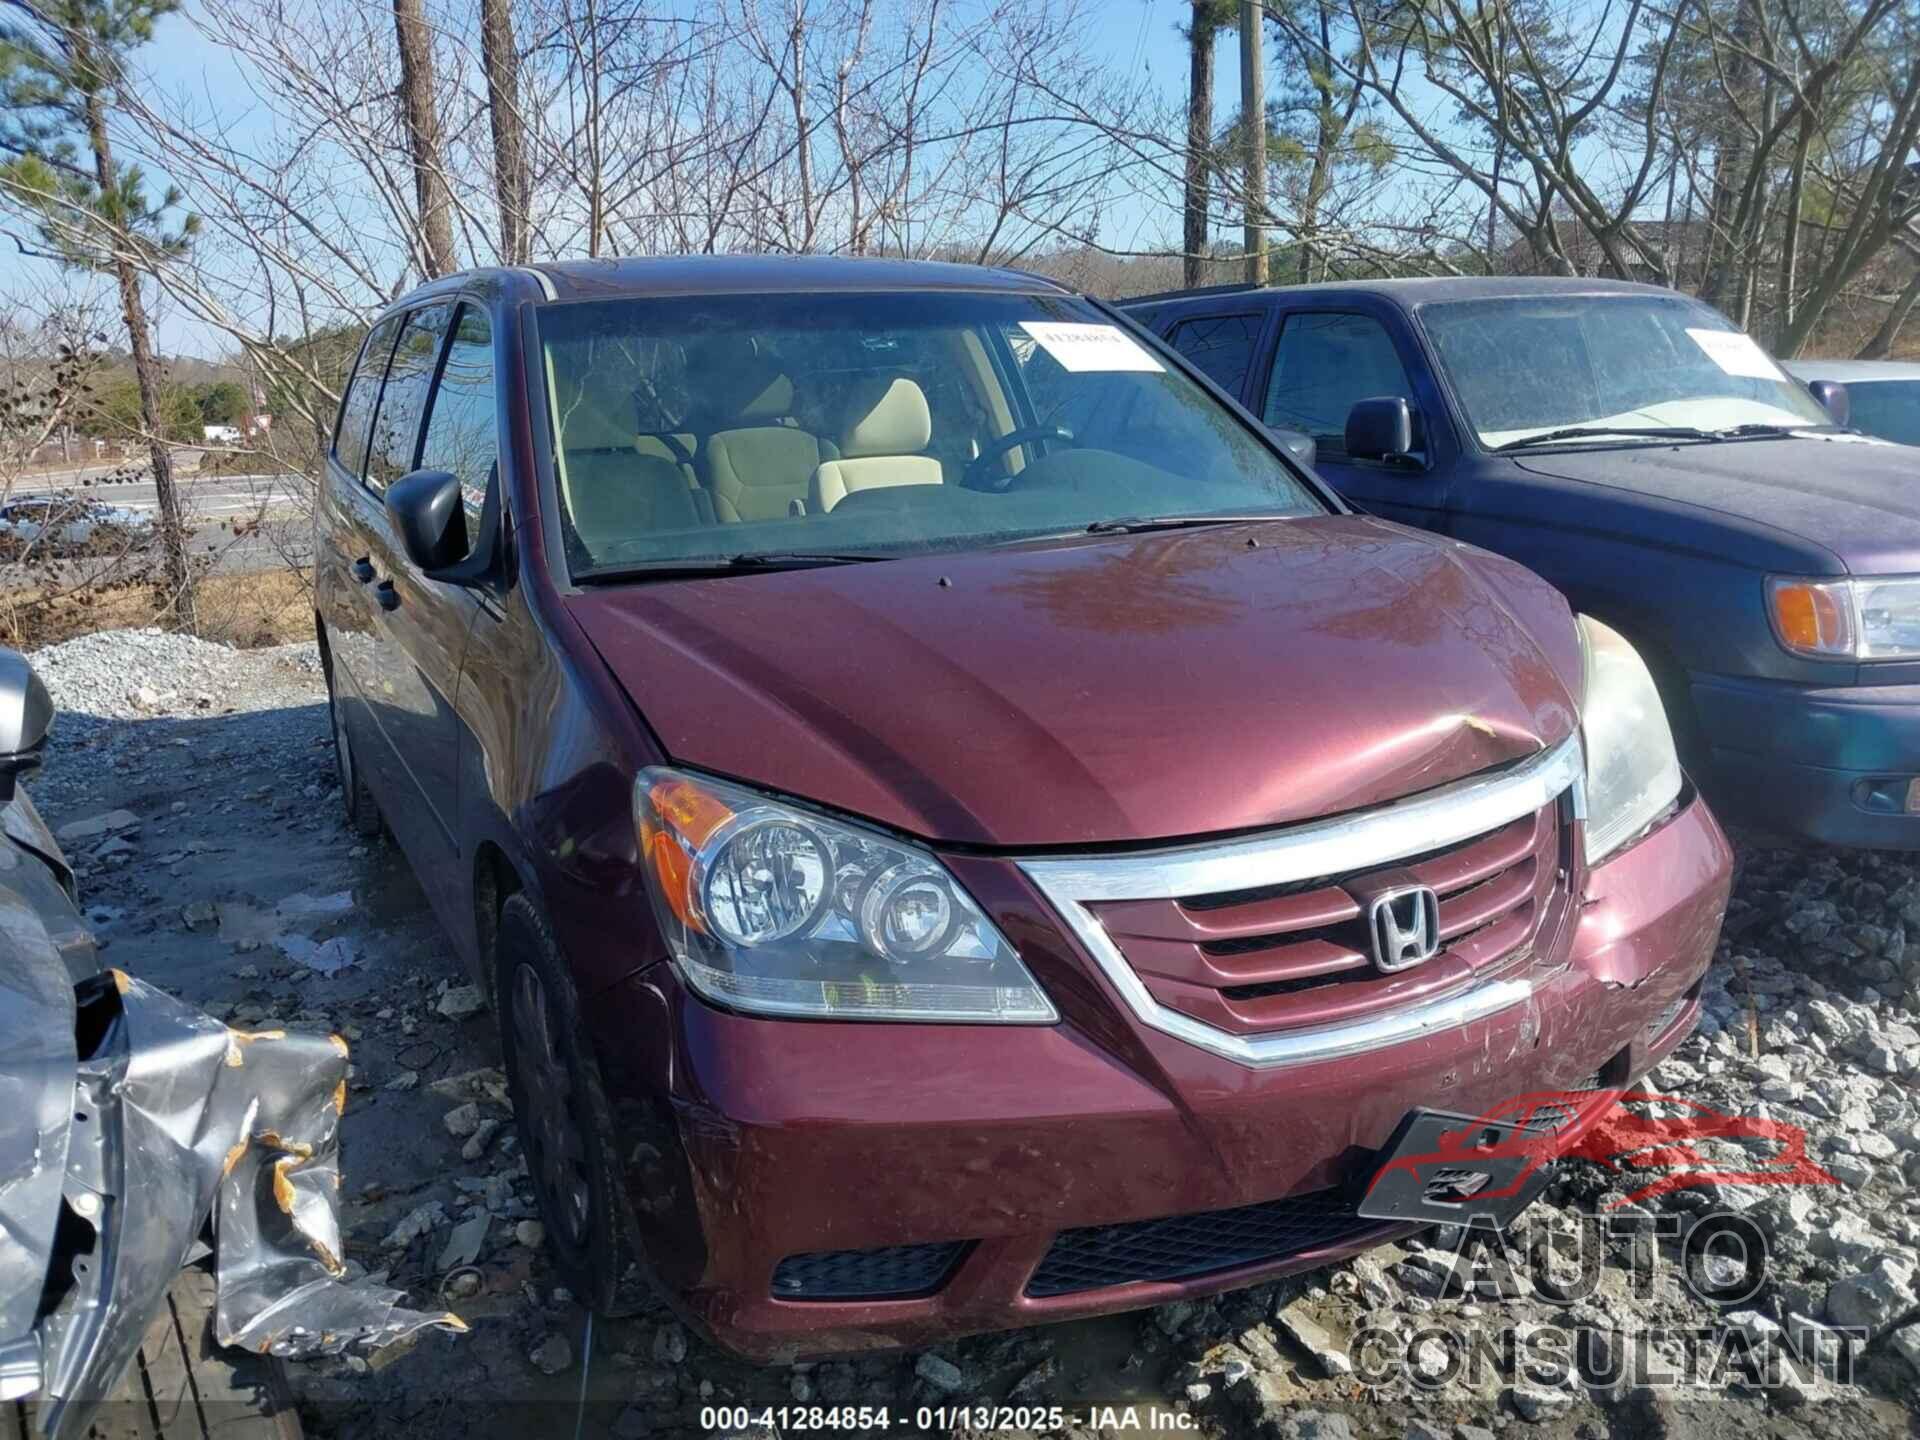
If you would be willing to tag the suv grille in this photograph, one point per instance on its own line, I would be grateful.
(892, 1271)
(1182, 1247)
(1252, 961)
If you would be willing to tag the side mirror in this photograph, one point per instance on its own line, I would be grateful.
(427, 512)
(1380, 429)
(26, 714)
(1297, 443)
(1832, 396)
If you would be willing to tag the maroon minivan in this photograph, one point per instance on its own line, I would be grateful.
(960, 829)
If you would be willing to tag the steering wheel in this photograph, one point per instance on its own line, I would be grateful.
(975, 476)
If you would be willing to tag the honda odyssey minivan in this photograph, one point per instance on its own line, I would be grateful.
(959, 829)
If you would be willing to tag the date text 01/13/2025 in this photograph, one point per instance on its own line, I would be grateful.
(943, 1418)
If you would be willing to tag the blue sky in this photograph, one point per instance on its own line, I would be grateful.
(1137, 37)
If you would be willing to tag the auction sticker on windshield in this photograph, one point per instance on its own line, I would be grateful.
(1089, 347)
(1735, 353)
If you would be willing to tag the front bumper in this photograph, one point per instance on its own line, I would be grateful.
(781, 1139)
(1806, 760)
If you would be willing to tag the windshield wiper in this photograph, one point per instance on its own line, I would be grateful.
(727, 565)
(1632, 432)
(1757, 430)
(1133, 524)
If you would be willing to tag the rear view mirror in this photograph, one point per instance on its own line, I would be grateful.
(1380, 429)
(432, 523)
(26, 714)
(1832, 396)
(1297, 443)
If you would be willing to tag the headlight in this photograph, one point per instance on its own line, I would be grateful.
(1865, 619)
(773, 909)
(1633, 775)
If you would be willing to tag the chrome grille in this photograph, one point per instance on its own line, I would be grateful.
(1255, 948)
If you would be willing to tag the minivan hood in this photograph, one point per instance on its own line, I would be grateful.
(1854, 497)
(1107, 690)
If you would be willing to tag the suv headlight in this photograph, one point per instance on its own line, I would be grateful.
(1633, 774)
(773, 909)
(1866, 619)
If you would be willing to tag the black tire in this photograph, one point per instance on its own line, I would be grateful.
(363, 816)
(565, 1124)
(182, 1386)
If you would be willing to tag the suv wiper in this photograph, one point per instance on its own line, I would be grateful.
(1132, 524)
(1632, 432)
(727, 565)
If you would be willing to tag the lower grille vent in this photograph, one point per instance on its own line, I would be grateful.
(1183, 1247)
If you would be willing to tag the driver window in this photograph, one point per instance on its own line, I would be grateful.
(1324, 365)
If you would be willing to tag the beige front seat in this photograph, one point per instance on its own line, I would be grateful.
(889, 424)
(757, 467)
(612, 491)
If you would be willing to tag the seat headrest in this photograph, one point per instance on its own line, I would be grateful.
(600, 414)
(745, 386)
(886, 417)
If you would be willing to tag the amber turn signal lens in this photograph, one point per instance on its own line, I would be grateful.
(677, 817)
(1813, 618)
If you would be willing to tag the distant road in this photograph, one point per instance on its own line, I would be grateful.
(210, 503)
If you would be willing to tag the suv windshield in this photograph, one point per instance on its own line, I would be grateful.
(1528, 365)
(788, 427)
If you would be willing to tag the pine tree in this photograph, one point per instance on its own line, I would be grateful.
(63, 69)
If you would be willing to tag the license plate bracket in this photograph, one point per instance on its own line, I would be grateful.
(1451, 1169)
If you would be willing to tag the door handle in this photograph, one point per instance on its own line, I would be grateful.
(363, 569)
(388, 597)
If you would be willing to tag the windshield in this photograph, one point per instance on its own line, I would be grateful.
(723, 427)
(1524, 366)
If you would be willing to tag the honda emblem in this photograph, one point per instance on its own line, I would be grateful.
(1404, 926)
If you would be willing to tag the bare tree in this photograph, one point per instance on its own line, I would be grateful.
(423, 135)
(510, 178)
(1209, 18)
(61, 68)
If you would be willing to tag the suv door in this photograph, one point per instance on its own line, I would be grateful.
(1327, 359)
(443, 353)
(343, 568)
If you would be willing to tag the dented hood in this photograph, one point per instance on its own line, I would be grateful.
(1105, 690)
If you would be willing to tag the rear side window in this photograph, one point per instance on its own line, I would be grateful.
(461, 437)
(1221, 346)
(363, 394)
(396, 425)
(1323, 366)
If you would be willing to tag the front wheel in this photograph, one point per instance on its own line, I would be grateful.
(561, 1111)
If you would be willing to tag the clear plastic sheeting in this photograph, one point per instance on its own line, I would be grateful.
(172, 1120)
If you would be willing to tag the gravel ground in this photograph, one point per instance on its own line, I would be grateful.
(235, 884)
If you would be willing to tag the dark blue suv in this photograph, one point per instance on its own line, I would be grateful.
(1634, 447)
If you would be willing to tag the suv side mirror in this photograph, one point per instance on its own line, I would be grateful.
(432, 522)
(1380, 429)
(1832, 396)
(26, 714)
(1297, 443)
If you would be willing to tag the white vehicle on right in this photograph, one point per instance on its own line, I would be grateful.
(1882, 396)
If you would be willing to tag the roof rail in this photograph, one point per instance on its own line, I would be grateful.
(1199, 290)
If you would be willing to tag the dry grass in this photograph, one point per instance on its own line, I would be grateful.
(273, 607)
